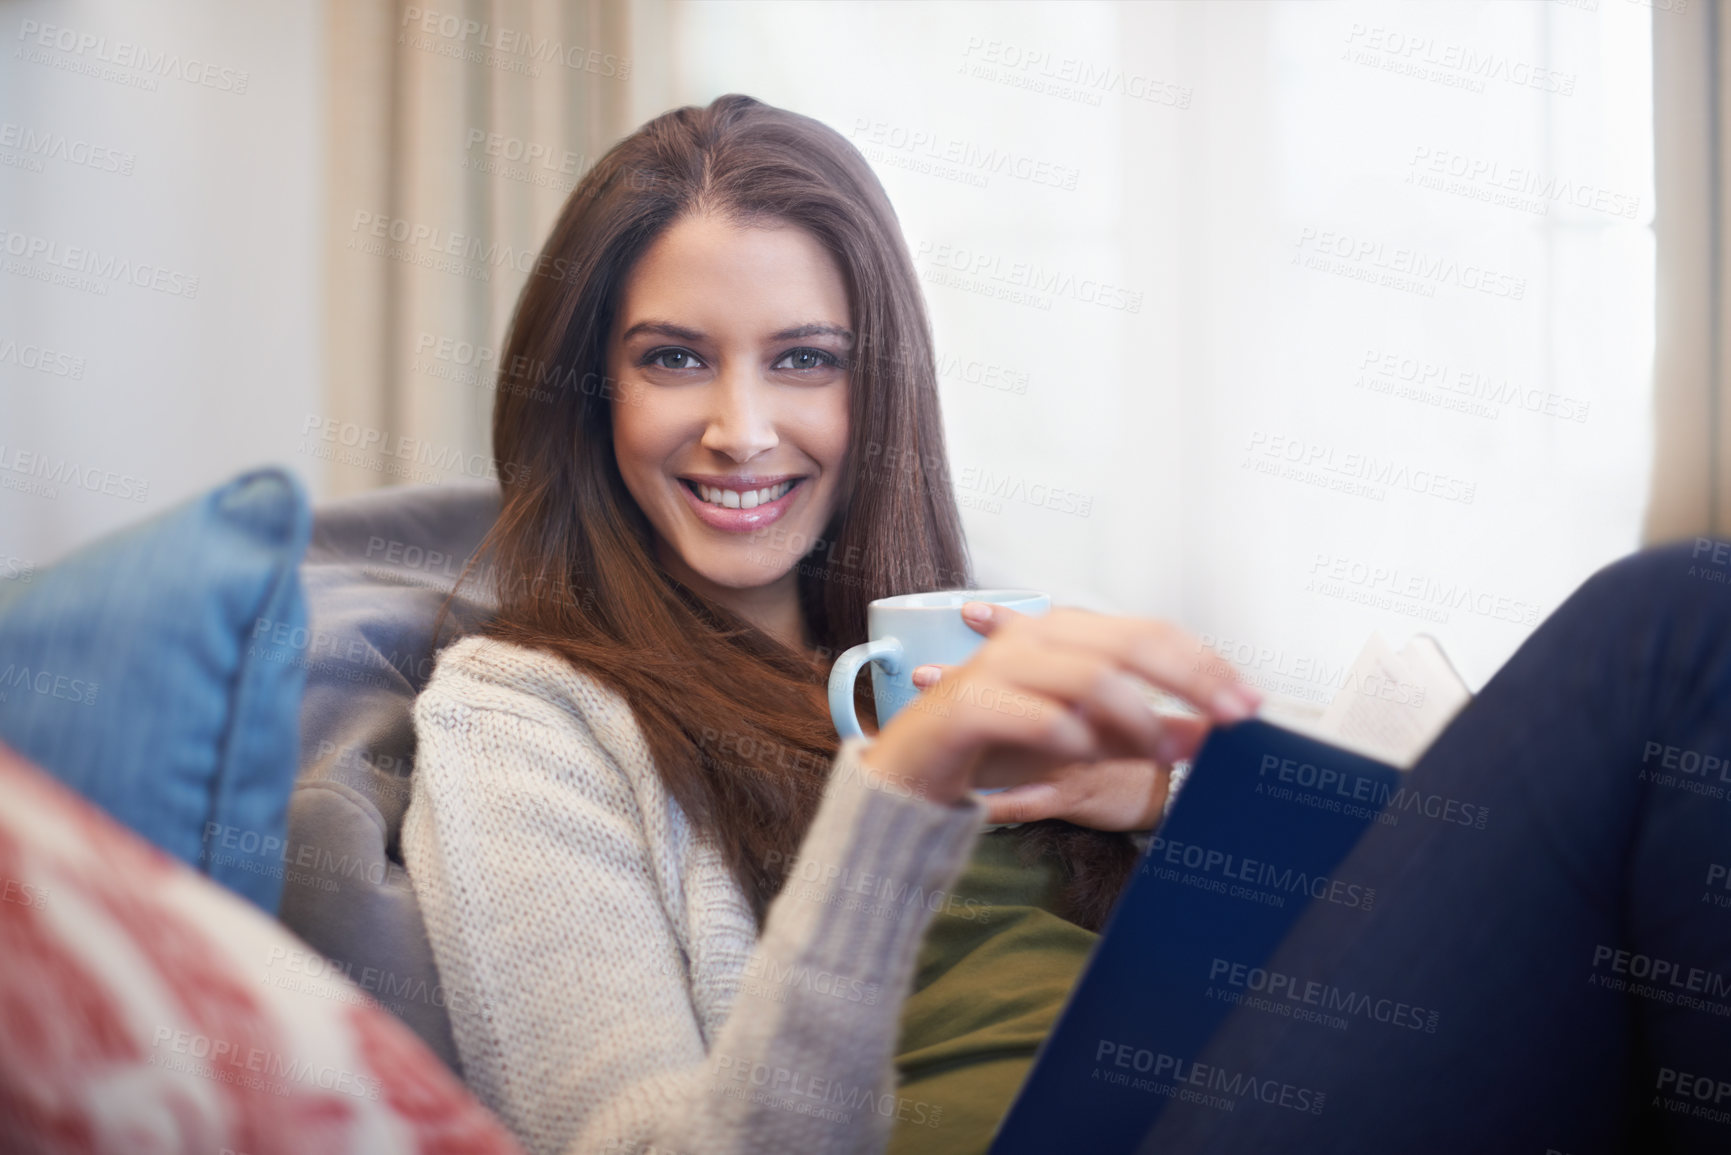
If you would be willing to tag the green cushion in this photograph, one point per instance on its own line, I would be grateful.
(994, 970)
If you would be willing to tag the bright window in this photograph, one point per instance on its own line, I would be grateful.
(1285, 320)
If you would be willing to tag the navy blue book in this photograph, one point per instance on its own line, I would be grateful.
(1254, 837)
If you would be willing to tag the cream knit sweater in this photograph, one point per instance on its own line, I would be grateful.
(608, 985)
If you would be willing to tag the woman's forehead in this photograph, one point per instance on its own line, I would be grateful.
(707, 275)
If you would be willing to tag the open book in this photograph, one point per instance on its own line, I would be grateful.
(1390, 705)
(1243, 852)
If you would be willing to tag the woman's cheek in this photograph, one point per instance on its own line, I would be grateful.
(827, 440)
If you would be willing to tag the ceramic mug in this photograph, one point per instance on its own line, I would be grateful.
(907, 632)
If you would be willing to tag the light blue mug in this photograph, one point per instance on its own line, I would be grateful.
(905, 633)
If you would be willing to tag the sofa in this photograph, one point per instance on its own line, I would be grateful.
(377, 570)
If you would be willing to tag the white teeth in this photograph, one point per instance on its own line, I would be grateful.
(749, 499)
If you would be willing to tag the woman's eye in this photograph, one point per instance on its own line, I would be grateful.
(683, 359)
(807, 359)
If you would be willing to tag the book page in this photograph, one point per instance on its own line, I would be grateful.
(1440, 674)
(1393, 705)
(1292, 713)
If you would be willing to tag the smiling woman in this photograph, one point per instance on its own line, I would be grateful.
(693, 917)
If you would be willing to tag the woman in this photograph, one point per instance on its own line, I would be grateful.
(682, 918)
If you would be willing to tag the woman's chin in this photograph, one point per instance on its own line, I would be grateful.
(749, 569)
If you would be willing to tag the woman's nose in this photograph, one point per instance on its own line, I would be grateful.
(741, 423)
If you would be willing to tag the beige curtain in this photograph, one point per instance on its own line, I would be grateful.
(1691, 491)
(456, 130)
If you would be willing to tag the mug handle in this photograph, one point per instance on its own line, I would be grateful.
(887, 652)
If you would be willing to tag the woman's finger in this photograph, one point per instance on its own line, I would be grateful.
(1182, 737)
(985, 617)
(1155, 651)
(1064, 687)
(1029, 802)
(926, 676)
(1114, 794)
(1108, 700)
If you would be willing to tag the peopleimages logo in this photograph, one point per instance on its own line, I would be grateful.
(972, 158)
(48, 471)
(93, 262)
(1460, 389)
(364, 440)
(1427, 58)
(126, 54)
(1285, 989)
(1362, 258)
(1070, 75)
(42, 360)
(1232, 867)
(44, 145)
(513, 148)
(1410, 586)
(766, 978)
(1348, 786)
(979, 269)
(47, 683)
(1517, 182)
(1661, 979)
(514, 42)
(256, 1068)
(1358, 474)
(1165, 1072)
(1302, 676)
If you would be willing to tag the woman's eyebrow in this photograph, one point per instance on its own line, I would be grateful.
(682, 333)
(664, 328)
(818, 330)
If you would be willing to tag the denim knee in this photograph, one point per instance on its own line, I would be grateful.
(1672, 572)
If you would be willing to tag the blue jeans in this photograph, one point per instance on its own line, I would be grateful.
(1560, 980)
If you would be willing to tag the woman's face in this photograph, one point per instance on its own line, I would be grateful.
(731, 433)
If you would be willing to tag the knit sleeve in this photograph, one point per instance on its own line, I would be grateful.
(572, 1013)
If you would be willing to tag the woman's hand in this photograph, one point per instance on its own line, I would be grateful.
(1117, 794)
(1120, 794)
(1045, 692)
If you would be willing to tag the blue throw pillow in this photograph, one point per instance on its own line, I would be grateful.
(159, 671)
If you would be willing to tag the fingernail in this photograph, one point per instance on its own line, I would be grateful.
(977, 611)
(1168, 748)
(923, 675)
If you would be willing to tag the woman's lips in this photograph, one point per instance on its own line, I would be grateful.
(740, 520)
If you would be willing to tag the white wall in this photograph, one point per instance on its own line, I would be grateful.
(216, 113)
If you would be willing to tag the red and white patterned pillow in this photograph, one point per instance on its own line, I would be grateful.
(144, 1009)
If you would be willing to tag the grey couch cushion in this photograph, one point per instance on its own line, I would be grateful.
(377, 570)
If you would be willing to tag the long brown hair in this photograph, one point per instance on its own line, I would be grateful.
(745, 755)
